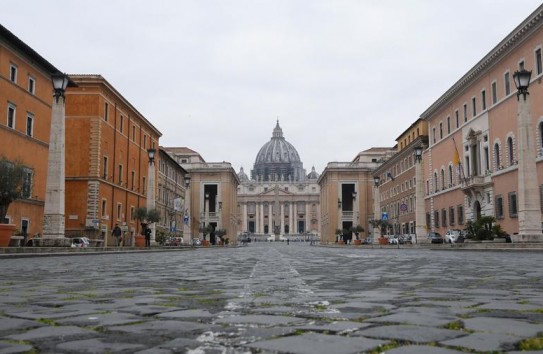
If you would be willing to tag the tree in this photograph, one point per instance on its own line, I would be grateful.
(206, 230)
(12, 176)
(483, 229)
(147, 216)
(380, 224)
(356, 230)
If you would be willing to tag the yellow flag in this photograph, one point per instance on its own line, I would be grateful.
(456, 159)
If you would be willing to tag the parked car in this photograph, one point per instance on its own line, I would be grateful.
(403, 239)
(80, 242)
(435, 237)
(452, 236)
(368, 241)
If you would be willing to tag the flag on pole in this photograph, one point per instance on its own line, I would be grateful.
(456, 158)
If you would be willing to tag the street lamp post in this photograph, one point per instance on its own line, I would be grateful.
(151, 191)
(55, 191)
(419, 197)
(376, 209)
(355, 216)
(529, 213)
(206, 214)
(187, 237)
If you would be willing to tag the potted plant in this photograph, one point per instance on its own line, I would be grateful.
(339, 233)
(145, 217)
(12, 176)
(220, 233)
(357, 230)
(205, 230)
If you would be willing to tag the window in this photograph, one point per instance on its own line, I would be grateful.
(448, 125)
(11, 116)
(144, 185)
(121, 124)
(451, 216)
(29, 124)
(120, 178)
(440, 130)
(435, 182)
(456, 118)
(465, 112)
(494, 93)
(133, 179)
(31, 85)
(104, 207)
(450, 176)
(507, 84)
(510, 154)
(119, 210)
(444, 217)
(26, 191)
(497, 156)
(436, 218)
(460, 213)
(483, 100)
(513, 204)
(434, 134)
(521, 65)
(133, 133)
(13, 73)
(499, 207)
(538, 64)
(106, 111)
(104, 168)
(132, 213)
(442, 179)
(145, 141)
(474, 106)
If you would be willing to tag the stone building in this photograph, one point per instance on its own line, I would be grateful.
(279, 200)
(346, 195)
(107, 143)
(26, 96)
(170, 198)
(397, 181)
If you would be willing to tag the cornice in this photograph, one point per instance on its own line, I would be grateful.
(506, 46)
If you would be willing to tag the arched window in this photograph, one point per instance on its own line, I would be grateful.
(450, 176)
(510, 155)
(442, 179)
(435, 182)
(497, 156)
(540, 133)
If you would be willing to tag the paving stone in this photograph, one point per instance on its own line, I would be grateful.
(416, 334)
(51, 332)
(341, 326)
(508, 305)
(196, 313)
(11, 324)
(96, 345)
(484, 342)
(152, 328)
(8, 348)
(418, 349)
(314, 343)
(503, 326)
(100, 319)
(425, 316)
(263, 320)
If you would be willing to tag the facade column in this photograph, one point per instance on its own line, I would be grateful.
(257, 218)
(290, 218)
(262, 218)
(307, 217)
(282, 216)
(244, 218)
(295, 218)
(270, 219)
(529, 213)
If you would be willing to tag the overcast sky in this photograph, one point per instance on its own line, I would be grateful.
(341, 76)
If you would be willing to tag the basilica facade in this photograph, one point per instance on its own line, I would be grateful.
(280, 200)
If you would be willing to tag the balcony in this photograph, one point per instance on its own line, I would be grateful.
(473, 184)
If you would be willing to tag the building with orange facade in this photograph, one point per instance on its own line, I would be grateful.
(25, 102)
(107, 143)
(472, 163)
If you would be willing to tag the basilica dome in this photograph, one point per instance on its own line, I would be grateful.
(278, 160)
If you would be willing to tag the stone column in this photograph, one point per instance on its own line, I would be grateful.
(529, 213)
(307, 217)
(55, 191)
(282, 216)
(420, 212)
(262, 218)
(244, 218)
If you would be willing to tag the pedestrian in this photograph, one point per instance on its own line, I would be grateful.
(147, 237)
(117, 232)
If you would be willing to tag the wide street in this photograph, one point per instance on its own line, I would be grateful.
(273, 298)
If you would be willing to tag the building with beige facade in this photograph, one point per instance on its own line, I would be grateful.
(212, 200)
(280, 201)
(346, 195)
(477, 117)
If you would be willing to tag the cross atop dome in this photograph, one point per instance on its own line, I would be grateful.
(277, 132)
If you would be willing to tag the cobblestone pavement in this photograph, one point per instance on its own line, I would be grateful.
(273, 298)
